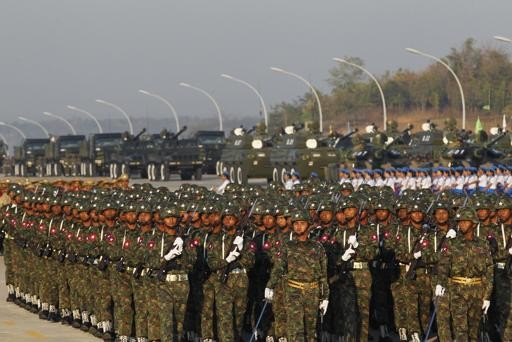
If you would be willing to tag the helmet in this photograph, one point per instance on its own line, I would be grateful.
(300, 215)
(466, 213)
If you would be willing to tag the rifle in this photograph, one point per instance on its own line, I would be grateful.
(411, 273)
(508, 263)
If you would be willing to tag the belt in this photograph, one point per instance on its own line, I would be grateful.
(302, 286)
(360, 265)
(466, 281)
(176, 277)
(500, 265)
(130, 269)
(238, 270)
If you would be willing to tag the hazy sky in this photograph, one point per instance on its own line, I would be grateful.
(55, 53)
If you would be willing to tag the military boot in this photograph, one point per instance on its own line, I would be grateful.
(402, 334)
(43, 314)
(66, 317)
(53, 315)
(415, 337)
(93, 330)
(11, 296)
(77, 320)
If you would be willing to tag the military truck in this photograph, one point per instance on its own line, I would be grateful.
(213, 142)
(28, 159)
(168, 155)
(62, 155)
(96, 154)
(304, 152)
(246, 155)
(129, 158)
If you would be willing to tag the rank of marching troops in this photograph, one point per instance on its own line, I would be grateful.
(319, 262)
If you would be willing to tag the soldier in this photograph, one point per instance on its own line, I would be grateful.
(465, 267)
(304, 264)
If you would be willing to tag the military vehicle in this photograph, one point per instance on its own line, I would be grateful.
(129, 158)
(62, 155)
(167, 154)
(426, 146)
(213, 142)
(304, 152)
(96, 154)
(376, 149)
(28, 159)
(246, 155)
(473, 150)
(3, 152)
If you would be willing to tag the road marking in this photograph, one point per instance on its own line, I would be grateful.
(9, 323)
(35, 334)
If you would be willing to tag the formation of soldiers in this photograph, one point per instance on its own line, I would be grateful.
(319, 262)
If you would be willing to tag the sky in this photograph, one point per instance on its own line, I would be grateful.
(68, 52)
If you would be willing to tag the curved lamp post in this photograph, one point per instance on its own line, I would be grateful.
(79, 110)
(183, 84)
(34, 122)
(73, 130)
(130, 125)
(167, 103)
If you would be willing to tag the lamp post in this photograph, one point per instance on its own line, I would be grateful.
(73, 130)
(440, 61)
(313, 90)
(130, 125)
(35, 123)
(167, 103)
(20, 132)
(383, 99)
(183, 84)
(79, 110)
(262, 103)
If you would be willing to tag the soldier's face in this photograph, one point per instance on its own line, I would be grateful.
(312, 213)
(184, 216)
(417, 216)
(205, 220)
(269, 221)
(257, 219)
(84, 216)
(441, 216)
(281, 221)
(215, 218)
(144, 218)
(110, 213)
(340, 216)
(131, 217)
(56, 209)
(382, 214)
(229, 221)
(346, 192)
(170, 221)
(402, 213)
(483, 214)
(45, 207)
(326, 216)
(300, 227)
(465, 226)
(504, 214)
(195, 216)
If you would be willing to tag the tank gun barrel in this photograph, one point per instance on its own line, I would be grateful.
(139, 134)
(495, 140)
(180, 132)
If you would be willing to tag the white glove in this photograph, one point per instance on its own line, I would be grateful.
(451, 234)
(269, 294)
(510, 251)
(348, 254)
(323, 306)
(417, 255)
(485, 306)
(439, 291)
(173, 253)
(352, 240)
(239, 242)
(178, 243)
(232, 256)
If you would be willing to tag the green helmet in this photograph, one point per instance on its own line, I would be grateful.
(300, 215)
(466, 214)
(503, 203)
(169, 211)
(416, 206)
(385, 205)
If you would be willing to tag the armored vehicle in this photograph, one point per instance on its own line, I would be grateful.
(129, 158)
(96, 154)
(3, 152)
(426, 146)
(304, 152)
(28, 158)
(212, 142)
(246, 155)
(62, 155)
(167, 154)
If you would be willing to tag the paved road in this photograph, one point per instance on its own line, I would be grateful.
(19, 325)
(208, 181)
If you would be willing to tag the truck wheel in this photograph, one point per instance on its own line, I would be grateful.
(148, 171)
(232, 173)
(218, 168)
(57, 170)
(198, 174)
(275, 175)
(22, 170)
(283, 172)
(115, 170)
(164, 172)
(239, 175)
(125, 169)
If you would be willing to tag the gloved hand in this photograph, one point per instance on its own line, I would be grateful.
(239, 242)
(439, 291)
(173, 253)
(178, 244)
(352, 240)
(232, 256)
(323, 306)
(485, 306)
(451, 234)
(269, 294)
(510, 251)
(348, 254)
(417, 255)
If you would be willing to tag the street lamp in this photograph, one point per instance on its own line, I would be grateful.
(440, 61)
(35, 123)
(88, 114)
(262, 103)
(15, 128)
(383, 99)
(63, 120)
(211, 99)
(503, 39)
(130, 125)
(171, 107)
(321, 125)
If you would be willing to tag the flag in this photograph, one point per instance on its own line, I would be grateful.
(504, 122)
(478, 125)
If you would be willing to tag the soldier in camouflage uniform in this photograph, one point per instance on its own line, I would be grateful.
(304, 264)
(466, 267)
